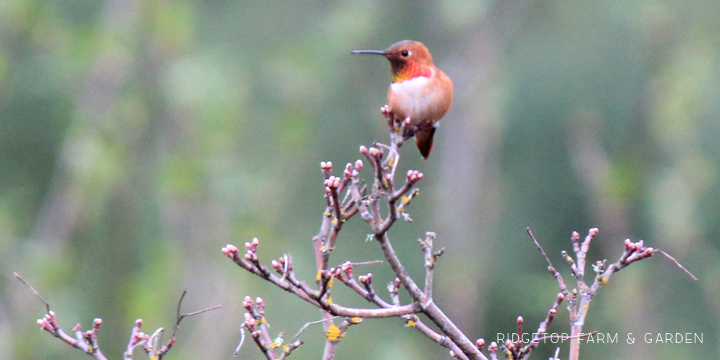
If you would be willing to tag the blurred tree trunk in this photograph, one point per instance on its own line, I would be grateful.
(468, 196)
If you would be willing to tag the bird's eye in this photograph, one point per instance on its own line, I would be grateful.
(405, 53)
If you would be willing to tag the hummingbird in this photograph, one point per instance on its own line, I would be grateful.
(419, 95)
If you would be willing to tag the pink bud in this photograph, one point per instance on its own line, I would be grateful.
(363, 150)
(358, 165)
(260, 303)
(552, 311)
(520, 320)
(648, 252)
(480, 343)
(97, 322)
(138, 322)
(493, 347)
(575, 236)
(276, 265)
(593, 232)
(560, 297)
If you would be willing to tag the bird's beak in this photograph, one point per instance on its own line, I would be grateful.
(374, 52)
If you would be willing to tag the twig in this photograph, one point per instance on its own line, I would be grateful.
(677, 263)
(86, 342)
(180, 317)
(47, 305)
(308, 324)
(551, 268)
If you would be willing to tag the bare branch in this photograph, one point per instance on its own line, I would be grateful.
(47, 305)
(677, 263)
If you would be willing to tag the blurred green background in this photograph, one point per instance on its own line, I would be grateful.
(139, 137)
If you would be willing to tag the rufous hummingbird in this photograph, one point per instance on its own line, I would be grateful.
(420, 94)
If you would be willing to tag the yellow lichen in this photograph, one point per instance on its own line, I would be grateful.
(411, 323)
(356, 320)
(333, 333)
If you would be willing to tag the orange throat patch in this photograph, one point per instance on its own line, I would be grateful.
(410, 71)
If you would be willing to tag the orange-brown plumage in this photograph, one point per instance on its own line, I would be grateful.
(419, 91)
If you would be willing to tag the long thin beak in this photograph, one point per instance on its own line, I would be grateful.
(375, 52)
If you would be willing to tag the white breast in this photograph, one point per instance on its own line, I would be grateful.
(412, 87)
(412, 94)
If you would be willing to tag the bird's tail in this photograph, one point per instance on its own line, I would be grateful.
(424, 139)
